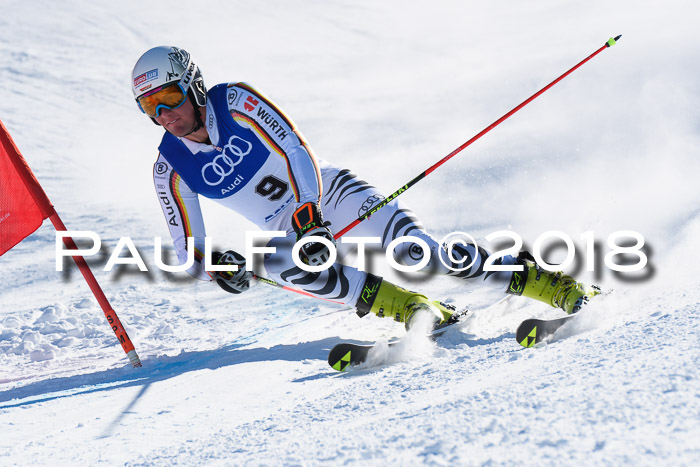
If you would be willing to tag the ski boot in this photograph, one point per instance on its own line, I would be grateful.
(385, 299)
(554, 288)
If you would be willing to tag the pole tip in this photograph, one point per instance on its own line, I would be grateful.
(613, 41)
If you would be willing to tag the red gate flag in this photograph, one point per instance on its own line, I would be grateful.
(24, 206)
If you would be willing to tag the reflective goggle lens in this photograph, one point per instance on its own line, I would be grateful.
(169, 97)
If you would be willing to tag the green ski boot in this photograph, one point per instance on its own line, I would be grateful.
(385, 299)
(554, 288)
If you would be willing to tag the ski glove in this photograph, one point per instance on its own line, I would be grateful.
(233, 282)
(307, 221)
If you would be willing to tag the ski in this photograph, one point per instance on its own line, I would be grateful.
(344, 355)
(533, 331)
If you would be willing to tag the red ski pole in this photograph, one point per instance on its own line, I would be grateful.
(430, 169)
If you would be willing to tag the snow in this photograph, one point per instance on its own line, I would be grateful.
(385, 89)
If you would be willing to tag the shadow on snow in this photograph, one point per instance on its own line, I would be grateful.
(161, 368)
(166, 367)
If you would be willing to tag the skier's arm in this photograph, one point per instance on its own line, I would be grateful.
(183, 215)
(252, 109)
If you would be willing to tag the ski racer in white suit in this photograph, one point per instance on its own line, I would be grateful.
(234, 145)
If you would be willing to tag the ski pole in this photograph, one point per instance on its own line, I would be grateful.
(291, 289)
(424, 174)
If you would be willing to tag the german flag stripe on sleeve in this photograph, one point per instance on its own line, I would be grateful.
(290, 124)
(243, 118)
(260, 131)
(175, 181)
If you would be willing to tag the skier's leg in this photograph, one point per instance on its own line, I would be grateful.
(349, 197)
(338, 283)
(346, 197)
(348, 285)
(554, 288)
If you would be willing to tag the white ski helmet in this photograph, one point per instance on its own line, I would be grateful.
(164, 65)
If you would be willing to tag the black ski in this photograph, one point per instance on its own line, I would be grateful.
(345, 354)
(533, 331)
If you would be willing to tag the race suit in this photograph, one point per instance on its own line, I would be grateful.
(259, 165)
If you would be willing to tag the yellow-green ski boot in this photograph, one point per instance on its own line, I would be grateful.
(385, 299)
(554, 288)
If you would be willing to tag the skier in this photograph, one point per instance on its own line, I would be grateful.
(234, 145)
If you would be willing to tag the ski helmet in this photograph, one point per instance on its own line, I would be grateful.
(165, 65)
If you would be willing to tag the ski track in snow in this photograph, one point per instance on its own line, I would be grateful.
(243, 380)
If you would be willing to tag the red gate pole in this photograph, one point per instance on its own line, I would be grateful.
(47, 210)
(110, 314)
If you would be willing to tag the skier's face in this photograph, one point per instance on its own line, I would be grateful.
(180, 121)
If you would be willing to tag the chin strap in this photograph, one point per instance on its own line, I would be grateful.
(197, 114)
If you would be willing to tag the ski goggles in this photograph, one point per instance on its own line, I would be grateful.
(171, 96)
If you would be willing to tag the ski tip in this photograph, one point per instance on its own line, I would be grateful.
(613, 40)
(340, 357)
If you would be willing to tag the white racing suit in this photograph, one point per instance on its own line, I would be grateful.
(260, 166)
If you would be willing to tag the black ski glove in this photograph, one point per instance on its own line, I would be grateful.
(307, 221)
(233, 282)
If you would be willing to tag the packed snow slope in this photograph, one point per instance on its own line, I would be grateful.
(385, 89)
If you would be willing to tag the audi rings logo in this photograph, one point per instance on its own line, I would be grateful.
(222, 166)
(369, 202)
